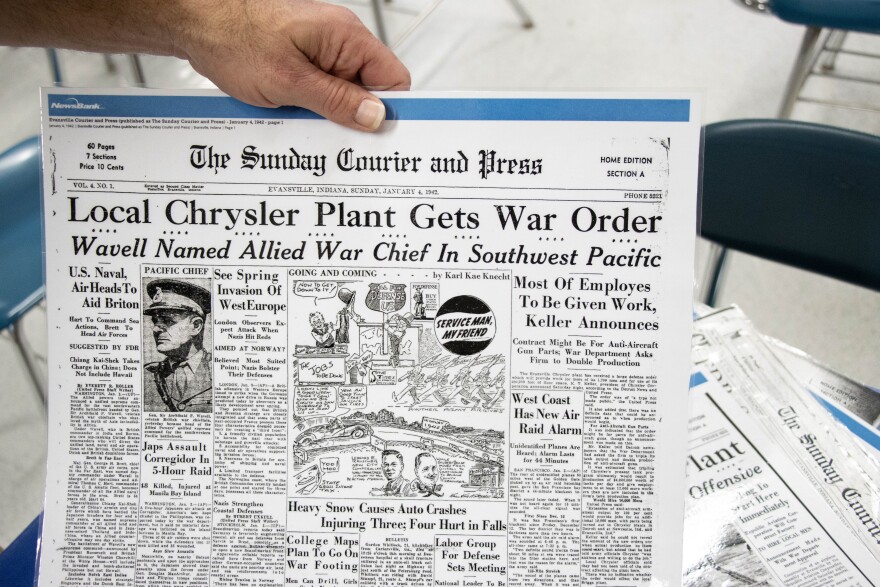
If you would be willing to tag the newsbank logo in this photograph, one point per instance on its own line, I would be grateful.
(74, 104)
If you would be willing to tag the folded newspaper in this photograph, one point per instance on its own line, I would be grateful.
(854, 405)
(779, 491)
(451, 353)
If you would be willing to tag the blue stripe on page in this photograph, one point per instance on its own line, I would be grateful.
(697, 379)
(500, 109)
(855, 426)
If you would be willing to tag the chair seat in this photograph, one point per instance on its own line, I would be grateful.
(18, 562)
(849, 15)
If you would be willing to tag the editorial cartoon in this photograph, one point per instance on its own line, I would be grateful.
(393, 386)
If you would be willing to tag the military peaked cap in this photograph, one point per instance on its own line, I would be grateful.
(180, 296)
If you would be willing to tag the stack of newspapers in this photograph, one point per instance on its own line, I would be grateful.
(783, 465)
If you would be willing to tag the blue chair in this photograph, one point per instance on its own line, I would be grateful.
(21, 238)
(801, 194)
(18, 562)
(837, 17)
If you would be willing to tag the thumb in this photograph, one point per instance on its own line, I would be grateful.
(341, 101)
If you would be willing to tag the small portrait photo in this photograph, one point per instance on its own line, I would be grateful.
(177, 345)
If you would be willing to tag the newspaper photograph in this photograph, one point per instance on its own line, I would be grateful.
(450, 353)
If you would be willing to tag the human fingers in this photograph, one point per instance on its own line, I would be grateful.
(382, 70)
(333, 97)
(297, 53)
(341, 55)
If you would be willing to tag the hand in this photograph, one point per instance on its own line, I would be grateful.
(264, 52)
(291, 52)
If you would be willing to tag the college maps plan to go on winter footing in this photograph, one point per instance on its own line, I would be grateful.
(453, 352)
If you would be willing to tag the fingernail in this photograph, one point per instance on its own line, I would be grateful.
(370, 114)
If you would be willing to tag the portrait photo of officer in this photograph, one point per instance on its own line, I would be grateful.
(177, 375)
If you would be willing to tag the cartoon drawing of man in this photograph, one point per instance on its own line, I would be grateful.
(440, 383)
(322, 332)
(392, 468)
(396, 328)
(498, 384)
(427, 476)
(183, 379)
(465, 384)
(347, 313)
(356, 366)
(419, 305)
(416, 381)
(459, 384)
(480, 383)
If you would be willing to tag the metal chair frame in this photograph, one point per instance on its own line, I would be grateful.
(817, 57)
(134, 61)
(525, 19)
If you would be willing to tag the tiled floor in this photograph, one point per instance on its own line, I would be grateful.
(738, 59)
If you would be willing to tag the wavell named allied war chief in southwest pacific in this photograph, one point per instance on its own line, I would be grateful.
(182, 380)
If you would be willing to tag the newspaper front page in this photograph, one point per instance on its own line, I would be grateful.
(841, 471)
(752, 517)
(451, 353)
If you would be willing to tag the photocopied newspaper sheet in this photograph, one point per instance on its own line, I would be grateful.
(451, 353)
(840, 471)
(752, 517)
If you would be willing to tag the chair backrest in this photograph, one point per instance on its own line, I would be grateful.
(802, 194)
(20, 174)
(21, 232)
